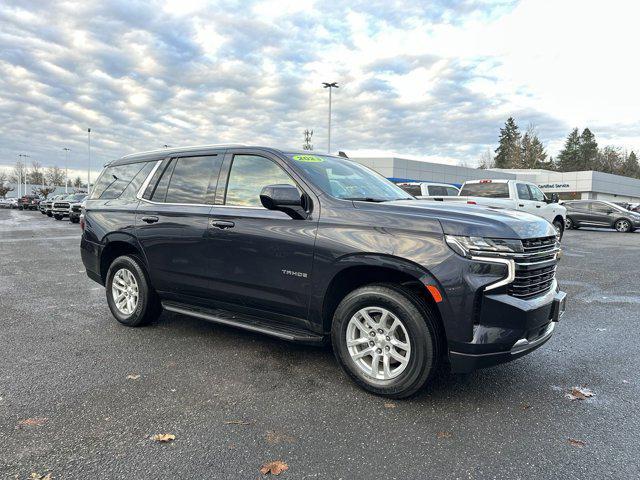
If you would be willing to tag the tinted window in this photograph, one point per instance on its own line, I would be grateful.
(438, 190)
(249, 174)
(414, 190)
(190, 179)
(487, 189)
(451, 191)
(114, 180)
(523, 191)
(132, 189)
(601, 207)
(536, 193)
(577, 205)
(160, 190)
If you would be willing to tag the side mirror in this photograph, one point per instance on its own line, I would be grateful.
(284, 198)
(554, 198)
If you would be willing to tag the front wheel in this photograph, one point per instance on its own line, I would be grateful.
(131, 299)
(623, 226)
(386, 339)
(568, 224)
(559, 228)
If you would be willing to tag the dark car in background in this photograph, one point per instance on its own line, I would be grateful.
(600, 214)
(75, 210)
(61, 207)
(316, 248)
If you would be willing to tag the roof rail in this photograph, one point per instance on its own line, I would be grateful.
(189, 147)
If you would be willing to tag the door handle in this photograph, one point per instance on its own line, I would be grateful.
(151, 219)
(221, 224)
(537, 206)
(521, 204)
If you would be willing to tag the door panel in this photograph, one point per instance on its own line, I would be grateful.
(525, 202)
(600, 214)
(175, 246)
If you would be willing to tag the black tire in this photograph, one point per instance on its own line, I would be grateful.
(421, 325)
(148, 306)
(49, 214)
(568, 224)
(559, 227)
(622, 225)
(57, 217)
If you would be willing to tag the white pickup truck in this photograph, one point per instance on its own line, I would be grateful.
(514, 195)
(429, 190)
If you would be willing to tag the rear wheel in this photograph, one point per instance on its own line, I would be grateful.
(568, 224)
(623, 225)
(386, 339)
(131, 299)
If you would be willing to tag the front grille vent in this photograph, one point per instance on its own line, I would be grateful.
(535, 268)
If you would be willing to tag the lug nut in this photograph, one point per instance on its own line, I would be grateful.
(379, 350)
(388, 339)
(371, 343)
(379, 330)
(387, 348)
(373, 334)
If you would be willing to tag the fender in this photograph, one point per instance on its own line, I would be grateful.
(323, 282)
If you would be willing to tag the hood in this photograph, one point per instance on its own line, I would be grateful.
(473, 220)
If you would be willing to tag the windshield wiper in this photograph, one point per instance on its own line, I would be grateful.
(366, 199)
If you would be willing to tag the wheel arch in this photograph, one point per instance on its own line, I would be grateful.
(360, 270)
(116, 245)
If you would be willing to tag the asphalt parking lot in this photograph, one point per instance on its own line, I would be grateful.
(80, 395)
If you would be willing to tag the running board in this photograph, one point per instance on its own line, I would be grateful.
(248, 322)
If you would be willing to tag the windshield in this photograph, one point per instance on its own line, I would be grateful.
(348, 180)
(76, 197)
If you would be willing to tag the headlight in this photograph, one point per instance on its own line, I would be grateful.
(479, 246)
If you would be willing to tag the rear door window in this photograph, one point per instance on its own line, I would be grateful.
(486, 189)
(523, 191)
(414, 190)
(437, 190)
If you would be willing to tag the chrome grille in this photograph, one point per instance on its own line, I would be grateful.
(535, 268)
(60, 205)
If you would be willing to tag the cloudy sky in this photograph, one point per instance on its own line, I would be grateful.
(427, 79)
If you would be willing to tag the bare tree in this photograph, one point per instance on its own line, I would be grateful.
(307, 145)
(35, 175)
(43, 192)
(55, 176)
(17, 174)
(4, 187)
(486, 160)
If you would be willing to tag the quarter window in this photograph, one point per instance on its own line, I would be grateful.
(249, 175)
(114, 180)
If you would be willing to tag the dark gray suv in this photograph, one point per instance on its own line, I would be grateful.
(601, 214)
(314, 248)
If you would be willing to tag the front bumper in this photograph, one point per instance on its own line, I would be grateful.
(62, 213)
(508, 328)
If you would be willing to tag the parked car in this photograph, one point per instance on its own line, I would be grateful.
(317, 248)
(601, 214)
(46, 206)
(28, 202)
(429, 190)
(11, 203)
(62, 206)
(75, 211)
(515, 195)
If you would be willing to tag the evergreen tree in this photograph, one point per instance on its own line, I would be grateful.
(588, 151)
(569, 156)
(508, 152)
(533, 154)
(609, 160)
(630, 167)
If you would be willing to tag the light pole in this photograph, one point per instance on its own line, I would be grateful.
(89, 168)
(23, 173)
(330, 86)
(66, 169)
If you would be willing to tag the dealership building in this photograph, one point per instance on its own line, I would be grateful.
(569, 185)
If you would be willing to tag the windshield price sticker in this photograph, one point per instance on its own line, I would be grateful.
(307, 158)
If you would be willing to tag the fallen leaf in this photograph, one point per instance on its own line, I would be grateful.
(133, 377)
(163, 437)
(274, 438)
(576, 443)
(236, 422)
(389, 405)
(275, 468)
(444, 434)
(579, 393)
(37, 476)
(32, 422)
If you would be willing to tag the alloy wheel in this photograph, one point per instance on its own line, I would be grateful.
(568, 224)
(378, 343)
(124, 289)
(623, 226)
